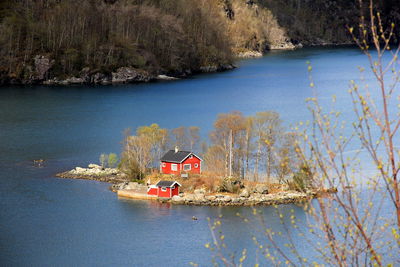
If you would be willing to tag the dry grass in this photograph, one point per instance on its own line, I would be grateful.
(207, 181)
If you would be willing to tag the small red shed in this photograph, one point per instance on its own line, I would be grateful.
(176, 162)
(165, 189)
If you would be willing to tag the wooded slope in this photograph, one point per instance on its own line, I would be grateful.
(175, 37)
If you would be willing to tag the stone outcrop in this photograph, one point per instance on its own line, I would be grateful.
(249, 54)
(244, 193)
(261, 189)
(130, 75)
(42, 66)
(95, 172)
(216, 68)
(282, 46)
(166, 78)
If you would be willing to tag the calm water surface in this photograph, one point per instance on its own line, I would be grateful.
(45, 221)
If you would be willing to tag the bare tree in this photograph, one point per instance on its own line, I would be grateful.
(194, 138)
(249, 135)
(267, 127)
(157, 137)
(228, 128)
(180, 137)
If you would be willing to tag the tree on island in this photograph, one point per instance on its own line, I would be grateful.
(257, 147)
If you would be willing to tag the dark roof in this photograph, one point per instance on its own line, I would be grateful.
(167, 183)
(177, 157)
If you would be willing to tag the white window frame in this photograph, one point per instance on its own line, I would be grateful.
(191, 156)
(163, 189)
(185, 165)
(196, 165)
(174, 167)
(163, 164)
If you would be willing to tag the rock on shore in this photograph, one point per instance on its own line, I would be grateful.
(95, 172)
(216, 68)
(283, 46)
(242, 199)
(121, 75)
(166, 78)
(249, 54)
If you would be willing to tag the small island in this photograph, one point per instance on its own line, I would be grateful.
(198, 189)
(250, 161)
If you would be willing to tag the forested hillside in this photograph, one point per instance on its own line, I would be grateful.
(155, 36)
(104, 41)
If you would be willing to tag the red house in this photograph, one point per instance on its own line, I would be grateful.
(176, 162)
(165, 189)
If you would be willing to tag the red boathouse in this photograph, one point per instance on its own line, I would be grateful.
(176, 162)
(165, 189)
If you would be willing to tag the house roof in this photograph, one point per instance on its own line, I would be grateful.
(167, 183)
(177, 157)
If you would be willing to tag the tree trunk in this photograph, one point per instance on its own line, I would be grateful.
(257, 160)
(269, 161)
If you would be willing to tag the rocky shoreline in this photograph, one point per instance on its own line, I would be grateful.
(198, 199)
(258, 195)
(40, 73)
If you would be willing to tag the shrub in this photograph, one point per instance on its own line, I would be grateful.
(230, 185)
(112, 160)
(131, 169)
(209, 183)
(301, 179)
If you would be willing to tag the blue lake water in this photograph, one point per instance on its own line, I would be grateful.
(45, 221)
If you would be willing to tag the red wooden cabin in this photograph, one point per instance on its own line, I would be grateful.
(176, 162)
(165, 189)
